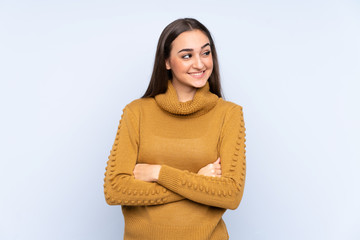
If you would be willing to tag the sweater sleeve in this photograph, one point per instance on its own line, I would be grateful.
(120, 187)
(225, 191)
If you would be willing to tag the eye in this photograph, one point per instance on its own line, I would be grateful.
(187, 56)
(207, 53)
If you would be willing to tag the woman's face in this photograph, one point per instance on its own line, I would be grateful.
(190, 59)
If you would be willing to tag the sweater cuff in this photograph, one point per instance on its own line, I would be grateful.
(170, 177)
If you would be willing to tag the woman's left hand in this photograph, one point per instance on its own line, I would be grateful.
(147, 172)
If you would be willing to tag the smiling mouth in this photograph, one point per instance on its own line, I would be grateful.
(197, 74)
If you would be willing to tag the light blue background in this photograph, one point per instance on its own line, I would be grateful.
(68, 68)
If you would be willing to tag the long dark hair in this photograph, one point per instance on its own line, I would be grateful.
(160, 75)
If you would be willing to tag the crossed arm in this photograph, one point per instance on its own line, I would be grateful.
(150, 172)
(216, 184)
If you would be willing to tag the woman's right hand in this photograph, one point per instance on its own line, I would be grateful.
(212, 169)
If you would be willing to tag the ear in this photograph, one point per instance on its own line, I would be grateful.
(167, 64)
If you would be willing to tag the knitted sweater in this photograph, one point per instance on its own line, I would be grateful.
(182, 137)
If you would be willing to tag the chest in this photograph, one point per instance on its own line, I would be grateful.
(186, 144)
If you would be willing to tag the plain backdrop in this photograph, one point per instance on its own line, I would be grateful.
(68, 68)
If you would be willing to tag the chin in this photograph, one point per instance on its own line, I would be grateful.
(199, 83)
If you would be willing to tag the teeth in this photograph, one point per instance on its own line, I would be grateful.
(197, 74)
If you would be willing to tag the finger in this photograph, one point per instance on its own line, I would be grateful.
(217, 161)
(217, 166)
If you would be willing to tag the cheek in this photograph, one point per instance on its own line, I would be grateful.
(179, 66)
(209, 63)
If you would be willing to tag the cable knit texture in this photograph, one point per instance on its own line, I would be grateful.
(182, 137)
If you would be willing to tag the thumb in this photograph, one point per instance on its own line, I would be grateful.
(217, 160)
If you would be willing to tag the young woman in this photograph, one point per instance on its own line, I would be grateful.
(178, 160)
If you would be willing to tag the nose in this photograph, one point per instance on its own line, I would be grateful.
(198, 63)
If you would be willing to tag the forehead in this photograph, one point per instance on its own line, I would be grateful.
(190, 39)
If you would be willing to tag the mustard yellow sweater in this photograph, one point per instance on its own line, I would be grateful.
(182, 137)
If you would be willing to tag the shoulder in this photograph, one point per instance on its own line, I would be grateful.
(136, 106)
(139, 103)
(229, 107)
(133, 110)
(232, 115)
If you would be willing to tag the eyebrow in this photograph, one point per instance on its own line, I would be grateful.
(190, 49)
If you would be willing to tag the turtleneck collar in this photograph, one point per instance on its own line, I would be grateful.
(203, 101)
